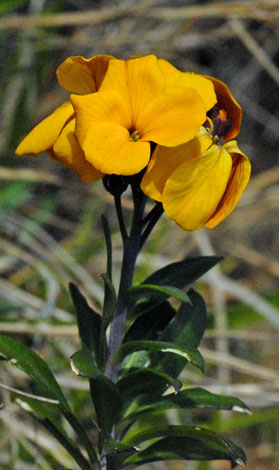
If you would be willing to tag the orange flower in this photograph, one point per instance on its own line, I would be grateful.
(135, 106)
(55, 134)
(200, 182)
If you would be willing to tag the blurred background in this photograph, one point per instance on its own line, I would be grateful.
(50, 229)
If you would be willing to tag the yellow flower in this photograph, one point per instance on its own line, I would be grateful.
(199, 182)
(55, 134)
(135, 106)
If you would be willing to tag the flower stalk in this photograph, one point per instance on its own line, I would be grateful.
(131, 248)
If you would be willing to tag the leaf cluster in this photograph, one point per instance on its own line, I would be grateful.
(160, 340)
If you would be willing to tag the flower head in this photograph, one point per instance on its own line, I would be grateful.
(118, 108)
(135, 106)
(121, 109)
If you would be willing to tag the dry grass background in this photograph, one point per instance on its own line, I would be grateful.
(49, 229)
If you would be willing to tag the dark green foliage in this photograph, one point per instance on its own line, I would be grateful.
(35, 367)
(183, 273)
(186, 399)
(160, 340)
(187, 443)
(148, 325)
(89, 322)
(141, 381)
(105, 395)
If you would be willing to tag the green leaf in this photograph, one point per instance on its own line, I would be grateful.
(184, 272)
(116, 453)
(89, 321)
(148, 325)
(176, 275)
(147, 292)
(83, 364)
(145, 381)
(46, 414)
(186, 329)
(192, 355)
(183, 443)
(110, 301)
(40, 410)
(107, 234)
(105, 395)
(188, 325)
(190, 398)
(35, 367)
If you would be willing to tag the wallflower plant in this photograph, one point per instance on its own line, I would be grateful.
(168, 135)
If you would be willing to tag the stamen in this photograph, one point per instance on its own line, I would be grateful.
(134, 136)
(220, 124)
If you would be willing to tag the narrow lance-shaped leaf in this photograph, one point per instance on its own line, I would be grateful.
(45, 414)
(183, 443)
(145, 381)
(108, 245)
(183, 273)
(148, 325)
(110, 301)
(105, 395)
(192, 355)
(89, 321)
(37, 369)
(188, 399)
(178, 275)
(109, 306)
(186, 329)
(146, 292)
(116, 453)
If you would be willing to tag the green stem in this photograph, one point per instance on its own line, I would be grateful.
(118, 206)
(131, 246)
(150, 221)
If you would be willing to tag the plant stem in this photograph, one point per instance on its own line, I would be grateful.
(118, 206)
(131, 245)
(150, 220)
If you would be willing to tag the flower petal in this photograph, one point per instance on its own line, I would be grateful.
(226, 101)
(165, 160)
(108, 147)
(99, 107)
(175, 77)
(66, 150)
(136, 80)
(44, 135)
(194, 189)
(238, 181)
(173, 117)
(83, 76)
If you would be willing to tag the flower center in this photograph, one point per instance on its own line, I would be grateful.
(221, 124)
(134, 136)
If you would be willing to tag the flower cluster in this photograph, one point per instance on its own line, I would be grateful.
(120, 110)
